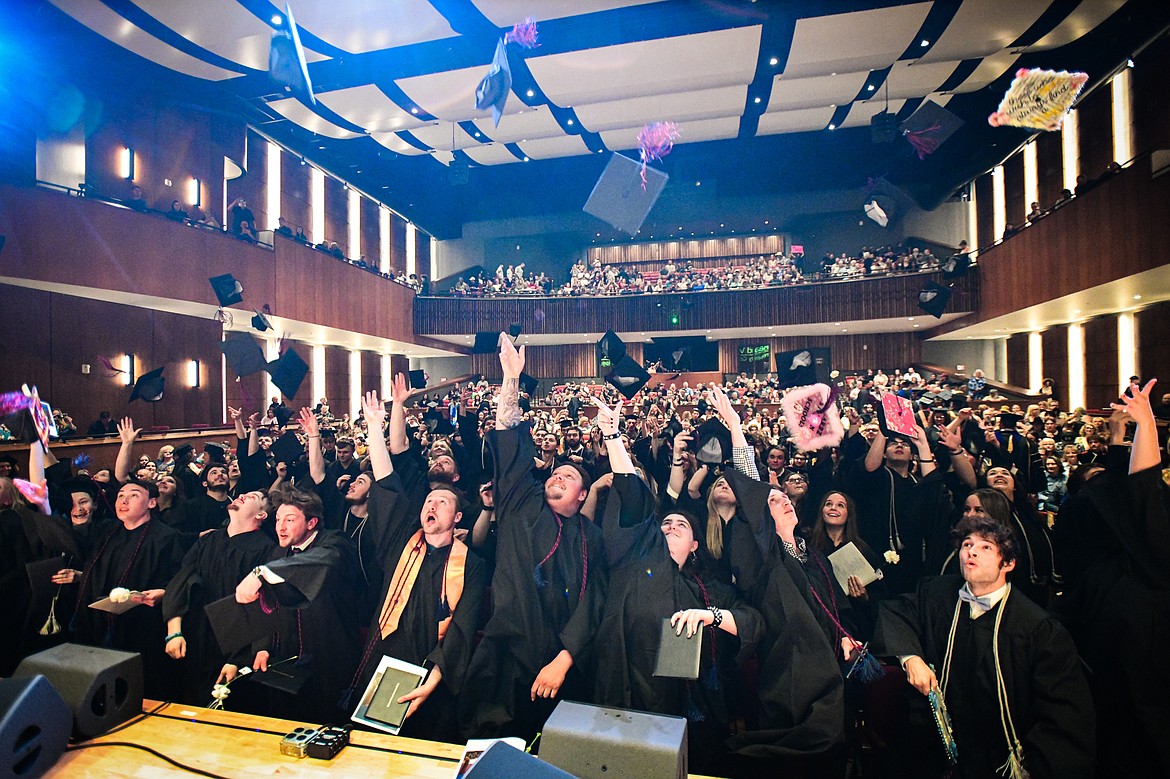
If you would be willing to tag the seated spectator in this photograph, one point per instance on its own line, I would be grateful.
(335, 250)
(207, 219)
(247, 233)
(177, 213)
(136, 201)
(238, 212)
(283, 228)
(1035, 212)
(104, 425)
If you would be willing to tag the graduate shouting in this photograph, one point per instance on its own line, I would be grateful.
(548, 587)
(657, 571)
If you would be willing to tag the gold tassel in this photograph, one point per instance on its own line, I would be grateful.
(52, 627)
(1014, 767)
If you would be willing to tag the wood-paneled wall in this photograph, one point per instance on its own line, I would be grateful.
(878, 298)
(152, 257)
(61, 333)
(1151, 109)
(565, 361)
(985, 211)
(1101, 384)
(422, 253)
(371, 231)
(660, 251)
(849, 352)
(1017, 360)
(337, 379)
(397, 243)
(1054, 342)
(1119, 228)
(295, 186)
(1095, 131)
(1049, 168)
(337, 213)
(1013, 184)
(1153, 327)
(252, 184)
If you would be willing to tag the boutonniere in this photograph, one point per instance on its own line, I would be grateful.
(119, 595)
(892, 557)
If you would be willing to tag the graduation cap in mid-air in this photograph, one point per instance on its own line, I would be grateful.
(627, 377)
(227, 289)
(933, 299)
(801, 367)
(574, 409)
(283, 414)
(243, 354)
(288, 372)
(713, 442)
(288, 448)
(494, 88)
(149, 387)
(418, 380)
(216, 453)
(528, 384)
(876, 213)
(286, 59)
(486, 342)
(236, 625)
(260, 320)
(621, 197)
(929, 127)
(611, 348)
(956, 266)
(437, 422)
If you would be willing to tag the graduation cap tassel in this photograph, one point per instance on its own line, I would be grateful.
(711, 682)
(693, 714)
(538, 577)
(923, 141)
(866, 668)
(346, 696)
(52, 627)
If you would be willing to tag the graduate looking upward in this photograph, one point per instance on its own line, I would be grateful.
(548, 585)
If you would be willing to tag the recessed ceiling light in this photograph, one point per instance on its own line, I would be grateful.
(414, 110)
(1137, 297)
(910, 319)
(530, 93)
(570, 122)
(924, 43)
(477, 135)
(1076, 311)
(871, 88)
(916, 325)
(832, 127)
(774, 61)
(757, 100)
(844, 330)
(277, 19)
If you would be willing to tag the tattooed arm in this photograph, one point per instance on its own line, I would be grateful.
(512, 361)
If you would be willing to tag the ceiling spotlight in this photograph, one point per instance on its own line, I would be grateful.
(871, 88)
(774, 61)
(277, 19)
(832, 127)
(526, 159)
(530, 93)
(477, 135)
(924, 43)
(414, 110)
(570, 123)
(1129, 63)
(757, 100)
(1137, 297)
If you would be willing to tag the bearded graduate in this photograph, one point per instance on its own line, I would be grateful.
(548, 586)
(432, 592)
(655, 572)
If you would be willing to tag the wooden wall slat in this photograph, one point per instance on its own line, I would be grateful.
(1013, 185)
(1095, 131)
(1049, 168)
(1054, 342)
(985, 211)
(1153, 325)
(295, 183)
(1101, 385)
(1017, 360)
(657, 252)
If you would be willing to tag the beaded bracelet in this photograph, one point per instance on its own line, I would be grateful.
(612, 436)
(167, 640)
(718, 617)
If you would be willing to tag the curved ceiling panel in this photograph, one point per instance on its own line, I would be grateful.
(861, 113)
(450, 94)
(860, 40)
(531, 123)
(684, 106)
(548, 148)
(798, 121)
(1080, 22)
(295, 111)
(368, 107)
(505, 13)
(795, 93)
(683, 63)
(491, 154)
(983, 27)
(688, 132)
(359, 26)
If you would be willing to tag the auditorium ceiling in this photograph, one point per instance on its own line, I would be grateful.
(768, 97)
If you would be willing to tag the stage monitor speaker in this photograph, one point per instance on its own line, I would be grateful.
(103, 687)
(34, 727)
(595, 742)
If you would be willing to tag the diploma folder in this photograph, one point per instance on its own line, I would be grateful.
(678, 656)
(849, 561)
(379, 707)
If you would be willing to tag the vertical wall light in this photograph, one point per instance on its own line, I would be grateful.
(1031, 178)
(1126, 348)
(387, 376)
(127, 369)
(355, 383)
(434, 274)
(273, 187)
(193, 374)
(126, 163)
(1076, 365)
(972, 218)
(271, 352)
(1121, 86)
(1035, 361)
(317, 199)
(317, 366)
(411, 260)
(195, 192)
(384, 239)
(1069, 151)
(998, 203)
(355, 225)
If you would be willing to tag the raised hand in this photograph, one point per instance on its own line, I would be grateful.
(309, 422)
(726, 411)
(511, 359)
(234, 413)
(400, 390)
(374, 411)
(608, 419)
(127, 432)
(1137, 403)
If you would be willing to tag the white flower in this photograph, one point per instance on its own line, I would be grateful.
(892, 557)
(220, 691)
(119, 595)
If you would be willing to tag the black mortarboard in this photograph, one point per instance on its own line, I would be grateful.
(515, 329)
(227, 289)
(150, 386)
(40, 575)
(283, 414)
(493, 89)
(712, 442)
(1009, 421)
(286, 60)
(288, 448)
(438, 422)
(181, 452)
(956, 266)
(243, 354)
(503, 759)
(800, 367)
(929, 127)
(216, 453)
(574, 409)
(933, 299)
(236, 625)
(486, 342)
(611, 348)
(627, 377)
(621, 198)
(261, 321)
(286, 677)
(288, 372)
(529, 384)
(418, 380)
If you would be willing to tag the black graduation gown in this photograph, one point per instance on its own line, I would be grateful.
(145, 558)
(200, 513)
(16, 551)
(1046, 688)
(646, 585)
(801, 691)
(532, 621)
(389, 529)
(211, 569)
(321, 605)
(1117, 614)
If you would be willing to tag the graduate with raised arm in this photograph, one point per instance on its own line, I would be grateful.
(548, 587)
(802, 715)
(428, 606)
(656, 572)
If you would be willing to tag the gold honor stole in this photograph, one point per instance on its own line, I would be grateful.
(405, 574)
